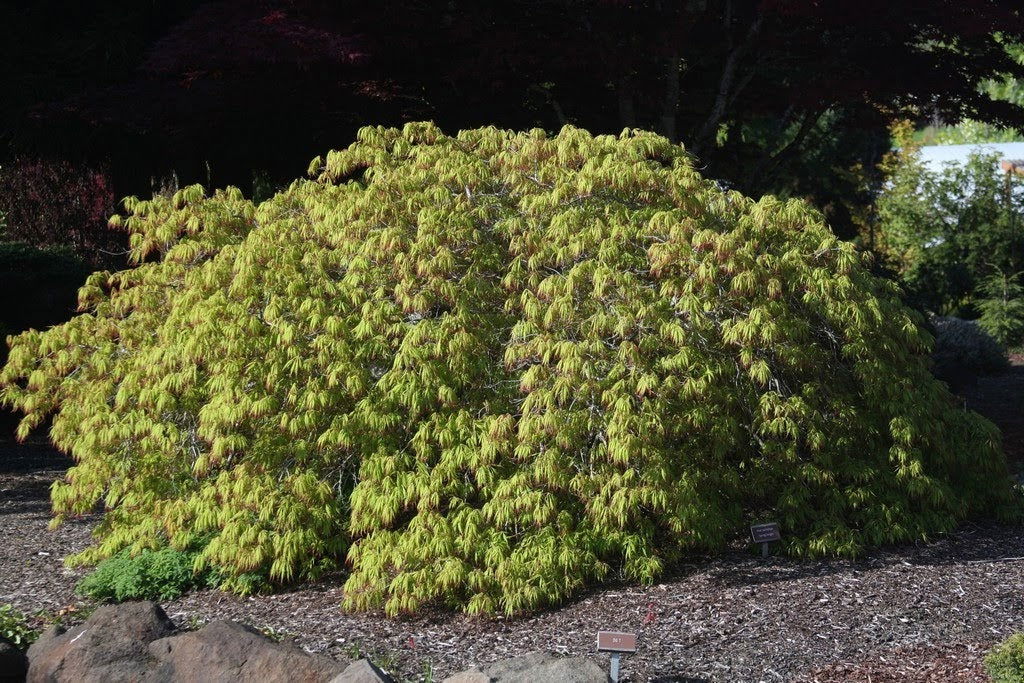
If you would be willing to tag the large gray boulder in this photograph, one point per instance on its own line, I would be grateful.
(110, 646)
(470, 675)
(136, 642)
(228, 652)
(362, 671)
(535, 667)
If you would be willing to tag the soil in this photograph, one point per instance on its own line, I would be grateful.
(924, 612)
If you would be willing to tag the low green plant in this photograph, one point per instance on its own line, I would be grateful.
(194, 622)
(147, 575)
(1005, 662)
(384, 659)
(353, 650)
(14, 627)
(276, 634)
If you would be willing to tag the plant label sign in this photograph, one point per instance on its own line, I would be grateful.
(613, 641)
(765, 534)
(616, 643)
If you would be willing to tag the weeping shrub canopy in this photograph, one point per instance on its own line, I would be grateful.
(486, 370)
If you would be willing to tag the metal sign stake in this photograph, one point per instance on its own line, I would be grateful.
(765, 534)
(615, 643)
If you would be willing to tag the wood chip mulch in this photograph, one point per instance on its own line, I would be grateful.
(926, 664)
(925, 612)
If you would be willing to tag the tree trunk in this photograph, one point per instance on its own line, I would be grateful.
(670, 103)
(624, 93)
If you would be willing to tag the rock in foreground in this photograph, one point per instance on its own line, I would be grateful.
(110, 646)
(226, 651)
(535, 667)
(137, 642)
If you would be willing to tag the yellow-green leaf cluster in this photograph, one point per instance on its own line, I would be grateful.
(490, 369)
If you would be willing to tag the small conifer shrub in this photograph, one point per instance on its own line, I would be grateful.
(490, 369)
(1005, 662)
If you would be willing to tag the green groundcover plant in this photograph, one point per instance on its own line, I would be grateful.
(14, 627)
(490, 369)
(1005, 662)
(163, 574)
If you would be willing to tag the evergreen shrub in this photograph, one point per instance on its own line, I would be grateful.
(1002, 311)
(954, 235)
(490, 369)
(1005, 662)
(37, 286)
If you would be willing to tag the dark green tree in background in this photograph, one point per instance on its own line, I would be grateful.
(786, 96)
(955, 237)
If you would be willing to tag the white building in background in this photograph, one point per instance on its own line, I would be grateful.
(934, 156)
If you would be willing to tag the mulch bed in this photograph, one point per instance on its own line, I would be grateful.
(926, 612)
(926, 664)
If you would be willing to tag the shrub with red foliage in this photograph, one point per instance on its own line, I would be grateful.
(48, 203)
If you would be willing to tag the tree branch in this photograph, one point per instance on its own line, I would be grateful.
(553, 102)
(770, 162)
(726, 92)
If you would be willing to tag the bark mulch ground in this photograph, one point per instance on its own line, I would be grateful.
(926, 612)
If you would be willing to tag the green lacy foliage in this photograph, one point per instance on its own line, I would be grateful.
(1005, 662)
(494, 368)
(971, 132)
(148, 575)
(14, 627)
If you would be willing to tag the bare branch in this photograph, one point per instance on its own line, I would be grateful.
(726, 92)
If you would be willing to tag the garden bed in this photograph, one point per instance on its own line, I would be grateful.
(923, 612)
